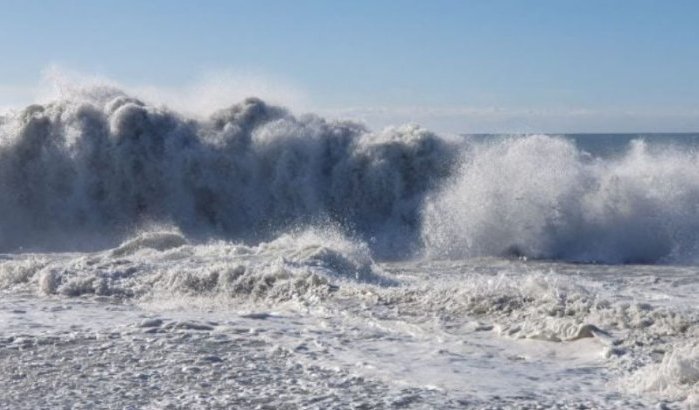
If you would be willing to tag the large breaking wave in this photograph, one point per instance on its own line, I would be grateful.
(79, 171)
(93, 170)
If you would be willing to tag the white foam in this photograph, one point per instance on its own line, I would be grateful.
(675, 377)
(304, 266)
(543, 197)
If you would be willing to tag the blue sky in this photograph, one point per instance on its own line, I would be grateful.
(454, 66)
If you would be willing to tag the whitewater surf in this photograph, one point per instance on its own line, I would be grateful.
(260, 259)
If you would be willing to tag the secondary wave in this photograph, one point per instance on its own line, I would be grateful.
(543, 197)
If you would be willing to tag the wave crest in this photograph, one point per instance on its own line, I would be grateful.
(92, 170)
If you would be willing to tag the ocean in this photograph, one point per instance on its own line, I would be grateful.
(258, 259)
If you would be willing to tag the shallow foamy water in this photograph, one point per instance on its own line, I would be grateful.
(163, 323)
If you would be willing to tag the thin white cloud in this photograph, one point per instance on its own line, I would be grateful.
(13, 96)
(209, 91)
(467, 119)
(214, 90)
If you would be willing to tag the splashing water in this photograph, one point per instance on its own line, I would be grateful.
(374, 260)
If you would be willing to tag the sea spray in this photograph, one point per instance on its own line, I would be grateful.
(541, 196)
(90, 171)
